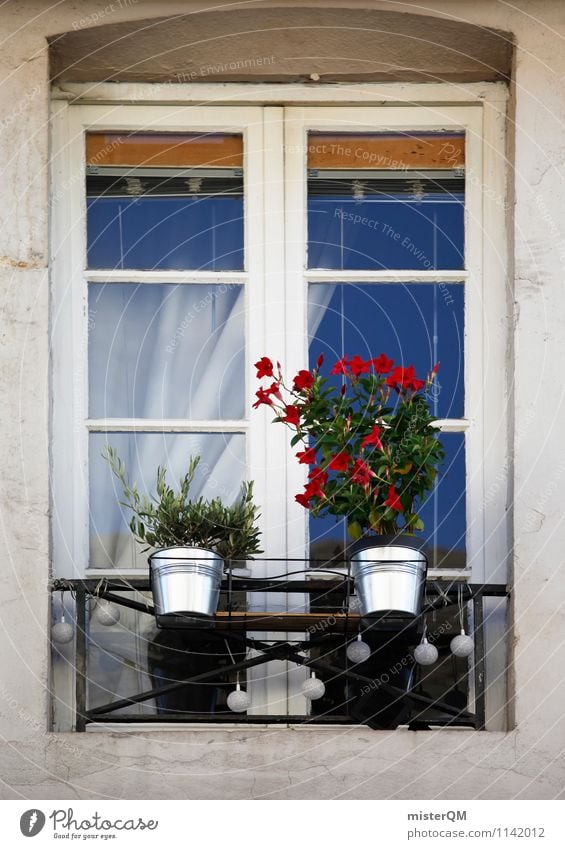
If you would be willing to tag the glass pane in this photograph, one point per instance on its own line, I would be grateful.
(416, 324)
(134, 655)
(328, 540)
(444, 510)
(443, 514)
(166, 351)
(382, 201)
(220, 473)
(165, 201)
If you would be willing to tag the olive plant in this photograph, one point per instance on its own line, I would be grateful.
(173, 518)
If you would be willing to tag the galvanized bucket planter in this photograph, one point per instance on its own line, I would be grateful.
(186, 585)
(389, 574)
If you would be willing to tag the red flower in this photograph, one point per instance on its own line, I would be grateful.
(318, 475)
(339, 462)
(308, 456)
(393, 500)
(361, 473)
(264, 367)
(374, 438)
(314, 490)
(303, 499)
(303, 380)
(274, 389)
(382, 364)
(341, 366)
(263, 397)
(359, 366)
(292, 414)
(406, 378)
(320, 361)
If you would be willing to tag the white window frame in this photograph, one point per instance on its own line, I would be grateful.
(71, 424)
(468, 119)
(272, 117)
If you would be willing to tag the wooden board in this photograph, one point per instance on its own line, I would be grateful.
(386, 152)
(315, 623)
(180, 150)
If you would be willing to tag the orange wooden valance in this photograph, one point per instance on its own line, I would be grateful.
(155, 150)
(386, 152)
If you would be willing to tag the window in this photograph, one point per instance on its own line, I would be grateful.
(191, 240)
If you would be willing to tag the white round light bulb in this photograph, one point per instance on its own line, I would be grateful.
(107, 613)
(425, 654)
(239, 700)
(313, 688)
(358, 651)
(62, 632)
(462, 645)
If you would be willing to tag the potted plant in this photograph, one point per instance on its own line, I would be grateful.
(366, 432)
(194, 539)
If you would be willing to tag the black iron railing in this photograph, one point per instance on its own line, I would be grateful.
(330, 624)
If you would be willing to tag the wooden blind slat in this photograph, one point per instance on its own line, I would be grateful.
(153, 150)
(385, 152)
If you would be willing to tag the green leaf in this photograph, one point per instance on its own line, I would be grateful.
(355, 530)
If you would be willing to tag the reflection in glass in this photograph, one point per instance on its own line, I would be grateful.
(165, 201)
(220, 473)
(379, 201)
(166, 351)
(416, 324)
(204, 233)
(134, 656)
(443, 514)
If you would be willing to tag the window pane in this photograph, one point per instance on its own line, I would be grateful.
(416, 324)
(165, 202)
(443, 514)
(385, 202)
(166, 351)
(220, 473)
(134, 655)
(444, 510)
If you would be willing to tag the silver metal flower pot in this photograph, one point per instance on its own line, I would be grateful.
(186, 585)
(389, 576)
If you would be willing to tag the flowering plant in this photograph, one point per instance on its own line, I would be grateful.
(372, 451)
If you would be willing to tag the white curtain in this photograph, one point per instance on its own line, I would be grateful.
(163, 352)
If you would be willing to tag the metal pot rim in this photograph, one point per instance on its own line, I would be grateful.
(160, 553)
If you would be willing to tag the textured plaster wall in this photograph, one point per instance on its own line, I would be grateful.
(277, 763)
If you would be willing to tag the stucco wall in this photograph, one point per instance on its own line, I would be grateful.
(278, 763)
